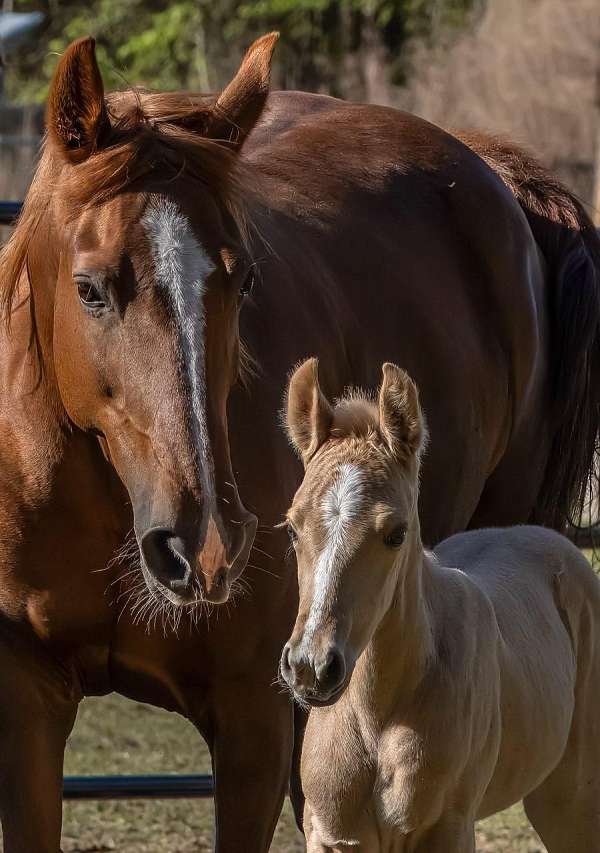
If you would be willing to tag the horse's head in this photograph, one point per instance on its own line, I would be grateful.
(353, 522)
(148, 266)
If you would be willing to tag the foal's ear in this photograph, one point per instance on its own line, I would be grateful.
(77, 116)
(240, 104)
(400, 419)
(309, 415)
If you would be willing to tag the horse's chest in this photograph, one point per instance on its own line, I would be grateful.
(373, 794)
(405, 794)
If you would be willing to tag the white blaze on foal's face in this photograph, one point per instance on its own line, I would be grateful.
(350, 517)
(341, 519)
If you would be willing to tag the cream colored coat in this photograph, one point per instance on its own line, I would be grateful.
(447, 686)
(504, 706)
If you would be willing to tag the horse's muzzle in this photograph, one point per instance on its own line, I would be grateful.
(183, 575)
(317, 679)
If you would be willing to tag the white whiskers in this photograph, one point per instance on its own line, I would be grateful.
(150, 607)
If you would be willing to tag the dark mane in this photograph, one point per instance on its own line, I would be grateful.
(158, 135)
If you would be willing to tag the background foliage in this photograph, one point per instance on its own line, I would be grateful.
(526, 69)
(196, 43)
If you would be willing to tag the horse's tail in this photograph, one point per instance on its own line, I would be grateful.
(571, 247)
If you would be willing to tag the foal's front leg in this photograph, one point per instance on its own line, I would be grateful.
(313, 842)
(368, 838)
(37, 712)
(453, 833)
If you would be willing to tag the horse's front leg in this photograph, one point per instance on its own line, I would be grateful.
(252, 735)
(453, 833)
(311, 833)
(37, 712)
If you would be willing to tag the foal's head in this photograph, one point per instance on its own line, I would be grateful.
(138, 268)
(353, 522)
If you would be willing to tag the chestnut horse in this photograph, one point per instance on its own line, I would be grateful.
(371, 235)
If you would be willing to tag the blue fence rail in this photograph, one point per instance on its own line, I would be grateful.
(164, 787)
(9, 210)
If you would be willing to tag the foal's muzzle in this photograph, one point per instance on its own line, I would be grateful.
(317, 679)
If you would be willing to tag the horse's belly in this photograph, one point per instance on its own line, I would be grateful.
(537, 709)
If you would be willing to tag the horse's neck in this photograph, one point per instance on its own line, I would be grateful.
(396, 660)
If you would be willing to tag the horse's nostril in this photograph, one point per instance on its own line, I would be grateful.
(220, 579)
(285, 665)
(331, 671)
(163, 554)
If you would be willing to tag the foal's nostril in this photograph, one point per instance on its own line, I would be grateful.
(163, 554)
(331, 670)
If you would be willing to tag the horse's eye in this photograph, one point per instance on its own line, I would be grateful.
(395, 538)
(292, 533)
(248, 284)
(89, 295)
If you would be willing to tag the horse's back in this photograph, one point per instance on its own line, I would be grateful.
(520, 558)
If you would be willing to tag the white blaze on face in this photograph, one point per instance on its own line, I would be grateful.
(182, 267)
(342, 517)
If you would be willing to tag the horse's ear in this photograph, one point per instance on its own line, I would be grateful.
(309, 415)
(240, 104)
(77, 118)
(401, 422)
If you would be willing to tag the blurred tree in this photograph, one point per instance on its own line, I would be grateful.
(339, 46)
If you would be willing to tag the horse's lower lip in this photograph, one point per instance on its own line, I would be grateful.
(219, 596)
(158, 588)
(174, 597)
(317, 701)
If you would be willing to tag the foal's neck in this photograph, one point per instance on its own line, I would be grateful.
(402, 647)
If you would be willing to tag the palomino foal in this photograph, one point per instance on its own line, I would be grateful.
(439, 695)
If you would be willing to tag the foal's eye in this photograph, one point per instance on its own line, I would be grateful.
(292, 533)
(89, 295)
(395, 538)
(248, 284)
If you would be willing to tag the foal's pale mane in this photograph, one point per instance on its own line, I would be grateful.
(152, 135)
